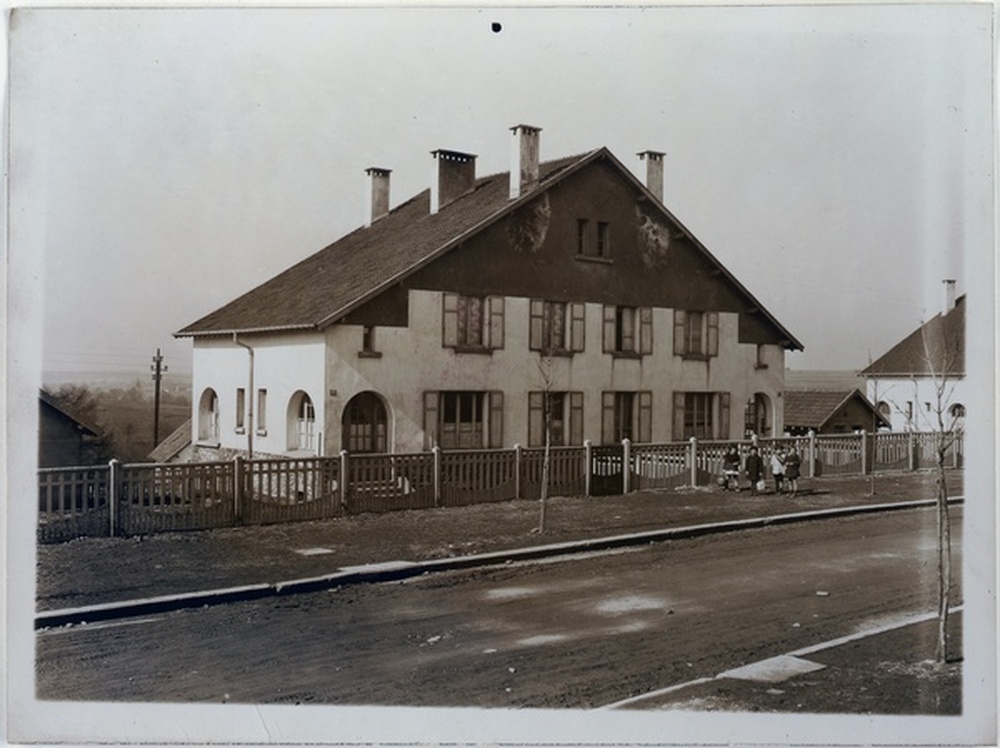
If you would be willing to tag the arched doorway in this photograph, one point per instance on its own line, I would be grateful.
(301, 423)
(208, 416)
(759, 416)
(365, 424)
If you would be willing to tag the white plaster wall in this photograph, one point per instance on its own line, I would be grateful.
(413, 360)
(897, 392)
(283, 364)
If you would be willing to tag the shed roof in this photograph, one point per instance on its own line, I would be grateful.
(49, 400)
(170, 447)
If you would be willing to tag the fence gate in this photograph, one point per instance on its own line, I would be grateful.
(607, 473)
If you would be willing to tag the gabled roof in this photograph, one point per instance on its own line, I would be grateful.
(813, 408)
(937, 347)
(323, 288)
(49, 400)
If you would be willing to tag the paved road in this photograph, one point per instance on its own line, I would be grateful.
(584, 631)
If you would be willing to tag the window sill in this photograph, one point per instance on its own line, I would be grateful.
(594, 258)
(556, 352)
(369, 354)
(626, 354)
(207, 444)
(261, 432)
(695, 356)
(239, 430)
(759, 366)
(480, 349)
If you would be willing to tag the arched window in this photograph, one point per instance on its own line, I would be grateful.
(957, 412)
(884, 408)
(758, 415)
(208, 416)
(301, 422)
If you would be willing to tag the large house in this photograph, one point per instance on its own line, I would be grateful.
(924, 373)
(456, 317)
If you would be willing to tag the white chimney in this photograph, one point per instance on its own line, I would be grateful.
(377, 199)
(654, 172)
(949, 295)
(524, 150)
(454, 175)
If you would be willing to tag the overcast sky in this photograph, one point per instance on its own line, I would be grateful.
(836, 159)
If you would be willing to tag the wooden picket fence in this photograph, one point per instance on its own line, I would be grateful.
(137, 499)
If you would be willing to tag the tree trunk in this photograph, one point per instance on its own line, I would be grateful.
(545, 478)
(944, 558)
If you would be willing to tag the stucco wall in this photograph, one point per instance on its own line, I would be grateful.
(413, 360)
(897, 392)
(283, 365)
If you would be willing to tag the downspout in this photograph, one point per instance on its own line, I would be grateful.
(250, 398)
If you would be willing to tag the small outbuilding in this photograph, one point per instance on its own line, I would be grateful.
(830, 412)
(64, 440)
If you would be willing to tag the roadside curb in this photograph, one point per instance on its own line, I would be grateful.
(399, 570)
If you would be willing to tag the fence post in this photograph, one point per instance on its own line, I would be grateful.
(436, 450)
(517, 471)
(114, 494)
(343, 480)
(911, 453)
(238, 485)
(812, 453)
(588, 466)
(694, 460)
(626, 465)
(865, 467)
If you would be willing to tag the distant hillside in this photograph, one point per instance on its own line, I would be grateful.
(823, 379)
(174, 382)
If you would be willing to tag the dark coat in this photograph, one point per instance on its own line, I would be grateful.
(754, 467)
(793, 465)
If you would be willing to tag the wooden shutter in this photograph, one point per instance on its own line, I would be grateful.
(645, 430)
(609, 328)
(678, 416)
(449, 320)
(713, 333)
(577, 326)
(723, 430)
(536, 419)
(607, 417)
(680, 327)
(645, 330)
(575, 417)
(496, 334)
(496, 419)
(535, 322)
(430, 419)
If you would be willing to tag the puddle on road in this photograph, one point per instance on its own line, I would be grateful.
(631, 604)
(541, 639)
(512, 593)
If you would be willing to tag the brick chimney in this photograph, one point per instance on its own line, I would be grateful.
(454, 175)
(378, 194)
(523, 159)
(654, 172)
(949, 295)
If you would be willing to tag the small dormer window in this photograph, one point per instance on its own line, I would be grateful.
(368, 343)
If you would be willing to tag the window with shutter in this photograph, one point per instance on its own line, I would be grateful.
(645, 430)
(607, 417)
(496, 322)
(678, 420)
(578, 320)
(696, 334)
(430, 419)
(536, 419)
(576, 418)
(496, 419)
(724, 429)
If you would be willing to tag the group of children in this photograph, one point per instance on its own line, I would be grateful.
(785, 469)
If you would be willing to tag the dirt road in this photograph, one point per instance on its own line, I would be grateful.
(580, 632)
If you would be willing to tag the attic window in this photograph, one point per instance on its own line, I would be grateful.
(368, 343)
(593, 240)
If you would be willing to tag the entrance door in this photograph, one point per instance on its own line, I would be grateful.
(365, 424)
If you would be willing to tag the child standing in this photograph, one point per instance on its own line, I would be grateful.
(778, 468)
(793, 464)
(754, 467)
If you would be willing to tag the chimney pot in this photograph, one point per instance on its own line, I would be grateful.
(378, 194)
(654, 172)
(524, 159)
(454, 175)
(949, 295)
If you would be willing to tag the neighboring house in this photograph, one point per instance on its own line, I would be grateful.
(830, 412)
(446, 321)
(63, 439)
(176, 447)
(906, 381)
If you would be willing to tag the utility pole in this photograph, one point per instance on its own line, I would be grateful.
(157, 368)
